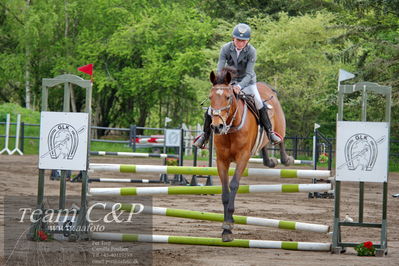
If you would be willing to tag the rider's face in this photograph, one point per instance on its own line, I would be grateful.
(240, 44)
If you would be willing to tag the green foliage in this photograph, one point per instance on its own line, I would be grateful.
(27, 116)
(242, 10)
(146, 58)
(373, 30)
(167, 52)
(152, 58)
(293, 57)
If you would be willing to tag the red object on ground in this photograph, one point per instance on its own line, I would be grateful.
(42, 235)
(368, 244)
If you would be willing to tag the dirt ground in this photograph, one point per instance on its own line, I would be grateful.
(19, 174)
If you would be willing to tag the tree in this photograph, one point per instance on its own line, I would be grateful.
(372, 27)
(294, 54)
(150, 58)
(242, 10)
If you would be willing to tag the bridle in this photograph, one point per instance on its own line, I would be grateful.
(217, 112)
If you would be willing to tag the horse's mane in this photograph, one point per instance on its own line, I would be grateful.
(221, 76)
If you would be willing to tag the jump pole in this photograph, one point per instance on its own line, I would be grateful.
(198, 190)
(190, 170)
(124, 180)
(149, 140)
(260, 160)
(210, 216)
(190, 240)
(134, 154)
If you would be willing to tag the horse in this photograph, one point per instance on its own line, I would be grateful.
(235, 132)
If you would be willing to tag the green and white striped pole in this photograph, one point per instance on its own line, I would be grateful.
(191, 170)
(198, 190)
(190, 240)
(209, 216)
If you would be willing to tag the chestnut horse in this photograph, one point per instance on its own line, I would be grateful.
(235, 133)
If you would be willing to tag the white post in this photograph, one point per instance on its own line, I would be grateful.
(17, 136)
(7, 136)
(316, 126)
(186, 139)
(189, 141)
(197, 132)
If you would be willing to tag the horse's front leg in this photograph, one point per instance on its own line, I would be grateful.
(285, 158)
(234, 185)
(223, 167)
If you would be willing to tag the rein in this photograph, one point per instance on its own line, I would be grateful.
(217, 112)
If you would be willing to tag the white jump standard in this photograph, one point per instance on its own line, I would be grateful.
(189, 240)
(6, 149)
(197, 190)
(190, 170)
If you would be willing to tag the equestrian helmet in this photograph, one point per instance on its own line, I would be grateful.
(242, 32)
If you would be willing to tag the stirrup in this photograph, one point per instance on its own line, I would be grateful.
(200, 141)
(275, 138)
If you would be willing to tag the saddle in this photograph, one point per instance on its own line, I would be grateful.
(250, 102)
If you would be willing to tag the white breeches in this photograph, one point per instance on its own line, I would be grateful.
(252, 90)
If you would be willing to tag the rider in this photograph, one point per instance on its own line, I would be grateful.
(242, 56)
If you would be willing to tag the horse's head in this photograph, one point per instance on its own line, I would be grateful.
(223, 102)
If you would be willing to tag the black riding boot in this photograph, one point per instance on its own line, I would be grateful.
(267, 125)
(202, 140)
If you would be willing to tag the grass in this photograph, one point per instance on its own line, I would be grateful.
(28, 116)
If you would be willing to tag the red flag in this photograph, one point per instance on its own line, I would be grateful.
(88, 69)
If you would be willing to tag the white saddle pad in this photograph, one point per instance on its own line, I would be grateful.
(259, 140)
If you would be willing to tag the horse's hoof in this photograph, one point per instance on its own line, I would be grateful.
(228, 226)
(290, 160)
(227, 237)
(273, 162)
